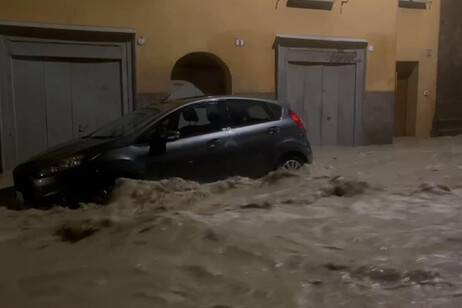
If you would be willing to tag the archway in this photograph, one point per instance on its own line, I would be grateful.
(200, 73)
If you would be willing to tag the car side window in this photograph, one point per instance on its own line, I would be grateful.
(248, 112)
(198, 115)
(276, 110)
(169, 123)
(202, 119)
(194, 120)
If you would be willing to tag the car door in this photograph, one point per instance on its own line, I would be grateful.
(256, 130)
(203, 147)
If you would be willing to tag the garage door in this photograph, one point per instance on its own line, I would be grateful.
(323, 78)
(57, 101)
(60, 92)
(324, 96)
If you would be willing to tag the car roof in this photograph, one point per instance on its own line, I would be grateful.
(171, 105)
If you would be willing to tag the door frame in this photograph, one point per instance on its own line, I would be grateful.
(15, 36)
(324, 50)
(409, 71)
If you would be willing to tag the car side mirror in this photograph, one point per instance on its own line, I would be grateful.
(158, 141)
(170, 135)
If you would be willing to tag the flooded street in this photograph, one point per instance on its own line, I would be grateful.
(375, 226)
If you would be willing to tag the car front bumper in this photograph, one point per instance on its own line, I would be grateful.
(76, 184)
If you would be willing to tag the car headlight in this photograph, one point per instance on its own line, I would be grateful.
(65, 164)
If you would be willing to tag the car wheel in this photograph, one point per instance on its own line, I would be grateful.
(291, 163)
(103, 196)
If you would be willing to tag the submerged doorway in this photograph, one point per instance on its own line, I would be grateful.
(407, 81)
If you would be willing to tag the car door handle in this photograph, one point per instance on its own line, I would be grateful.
(214, 142)
(273, 130)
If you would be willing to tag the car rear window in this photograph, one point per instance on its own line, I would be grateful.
(249, 112)
(276, 110)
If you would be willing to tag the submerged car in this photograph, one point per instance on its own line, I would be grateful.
(203, 139)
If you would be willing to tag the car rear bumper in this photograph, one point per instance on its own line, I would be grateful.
(309, 153)
(309, 157)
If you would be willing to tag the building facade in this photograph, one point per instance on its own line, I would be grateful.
(339, 63)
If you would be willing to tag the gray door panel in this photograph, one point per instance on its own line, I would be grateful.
(96, 95)
(195, 158)
(108, 91)
(204, 151)
(200, 157)
(256, 134)
(58, 102)
(296, 85)
(330, 104)
(30, 108)
(58, 91)
(346, 106)
(324, 97)
(313, 102)
(61, 50)
(255, 145)
(84, 98)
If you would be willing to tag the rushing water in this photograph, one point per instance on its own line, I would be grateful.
(364, 227)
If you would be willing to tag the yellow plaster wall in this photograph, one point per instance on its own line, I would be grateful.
(174, 28)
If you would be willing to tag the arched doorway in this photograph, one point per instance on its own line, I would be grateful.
(200, 73)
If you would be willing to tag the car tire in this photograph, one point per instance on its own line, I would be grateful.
(291, 163)
(103, 196)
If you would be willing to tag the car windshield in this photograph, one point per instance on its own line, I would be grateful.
(126, 125)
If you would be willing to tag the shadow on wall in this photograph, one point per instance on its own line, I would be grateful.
(196, 74)
(201, 72)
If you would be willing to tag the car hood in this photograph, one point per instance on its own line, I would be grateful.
(75, 147)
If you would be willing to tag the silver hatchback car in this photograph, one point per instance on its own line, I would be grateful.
(203, 139)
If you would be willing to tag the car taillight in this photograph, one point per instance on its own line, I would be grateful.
(297, 119)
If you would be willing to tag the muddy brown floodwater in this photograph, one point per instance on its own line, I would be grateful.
(362, 227)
